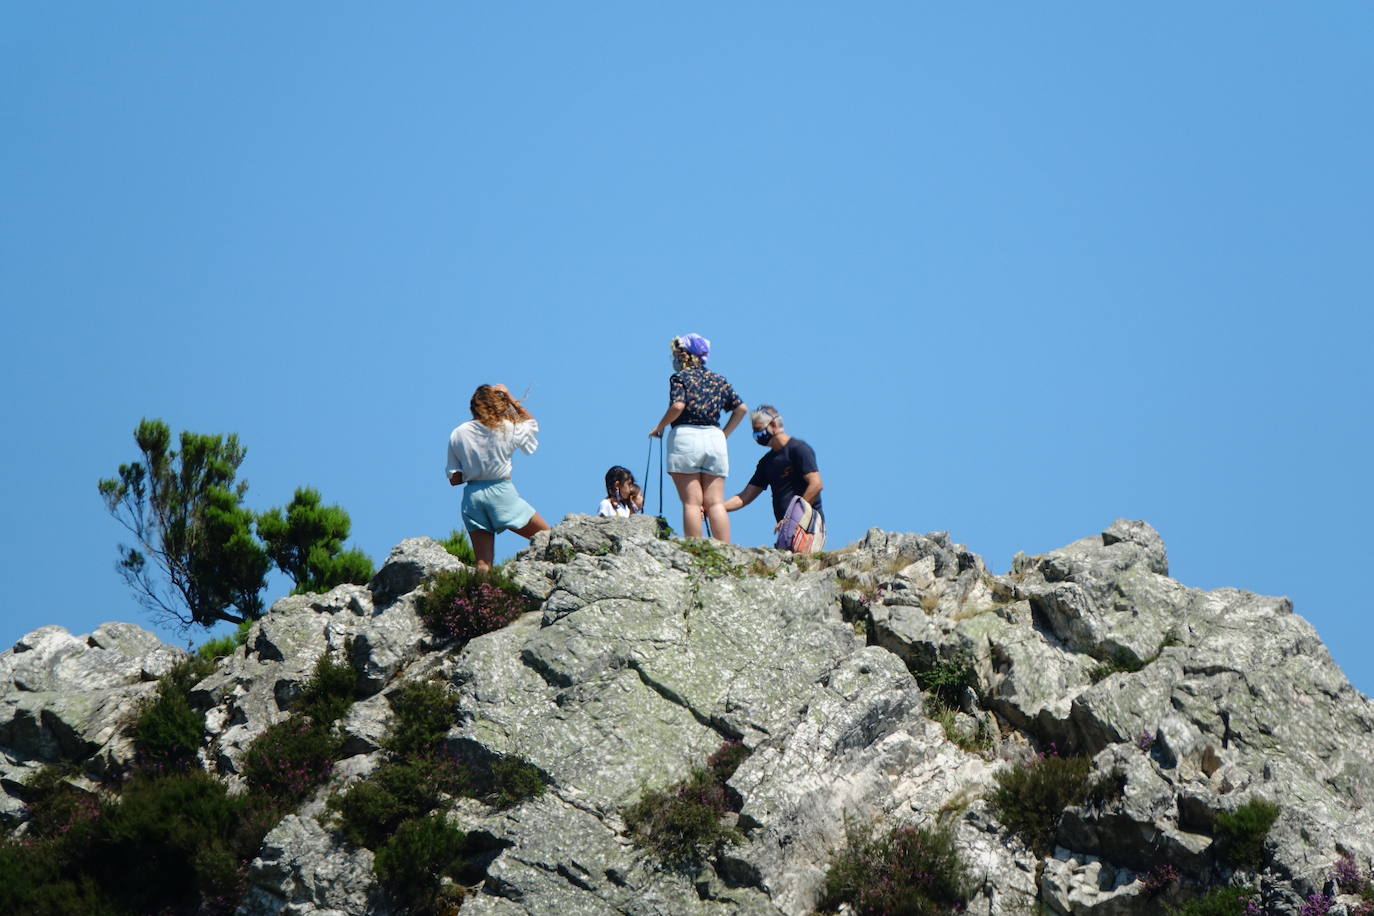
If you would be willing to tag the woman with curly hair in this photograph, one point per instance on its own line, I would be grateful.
(479, 453)
(698, 460)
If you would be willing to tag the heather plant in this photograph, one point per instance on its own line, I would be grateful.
(1159, 879)
(331, 690)
(464, 603)
(1347, 875)
(423, 713)
(1031, 795)
(1241, 833)
(179, 828)
(180, 832)
(725, 760)
(288, 760)
(514, 780)
(168, 732)
(683, 824)
(395, 792)
(1316, 905)
(908, 870)
(948, 678)
(1221, 901)
(57, 806)
(413, 863)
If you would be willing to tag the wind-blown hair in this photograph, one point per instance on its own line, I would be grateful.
(492, 406)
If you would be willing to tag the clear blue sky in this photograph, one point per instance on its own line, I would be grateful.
(1013, 270)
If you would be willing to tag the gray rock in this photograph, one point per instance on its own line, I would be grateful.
(66, 698)
(646, 654)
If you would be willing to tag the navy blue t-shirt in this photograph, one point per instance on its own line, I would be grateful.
(784, 470)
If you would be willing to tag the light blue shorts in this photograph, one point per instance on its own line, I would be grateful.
(698, 450)
(493, 505)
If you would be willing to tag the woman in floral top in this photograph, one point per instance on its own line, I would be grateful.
(698, 460)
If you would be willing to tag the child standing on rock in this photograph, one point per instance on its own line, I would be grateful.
(479, 453)
(623, 497)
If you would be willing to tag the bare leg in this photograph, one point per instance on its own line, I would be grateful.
(484, 546)
(689, 491)
(535, 525)
(713, 495)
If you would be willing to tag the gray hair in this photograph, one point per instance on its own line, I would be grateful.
(766, 413)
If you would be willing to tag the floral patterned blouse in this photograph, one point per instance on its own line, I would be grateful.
(704, 392)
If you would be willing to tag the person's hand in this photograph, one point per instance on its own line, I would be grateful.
(777, 526)
(656, 432)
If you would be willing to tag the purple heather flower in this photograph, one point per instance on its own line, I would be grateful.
(1316, 905)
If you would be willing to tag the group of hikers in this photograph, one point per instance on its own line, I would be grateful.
(480, 450)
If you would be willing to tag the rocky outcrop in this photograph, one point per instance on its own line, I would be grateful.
(66, 698)
(646, 654)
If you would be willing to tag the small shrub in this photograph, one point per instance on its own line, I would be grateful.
(1316, 905)
(331, 690)
(424, 713)
(56, 807)
(978, 741)
(459, 546)
(560, 553)
(1241, 833)
(947, 679)
(1159, 879)
(396, 791)
(412, 864)
(290, 758)
(465, 603)
(1121, 661)
(515, 779)
(709, 558)
(726, 759)
(224, 646)
(1222, 901)
(168, 732)
(1030, 797)
(176, 832)
(909, 870)
(682, 825)
(1107, 789)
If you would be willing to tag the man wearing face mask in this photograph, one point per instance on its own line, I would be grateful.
(788, 469)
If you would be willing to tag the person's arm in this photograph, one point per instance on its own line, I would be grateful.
(674, 411)
(735, 416)
(453, 467)
(813, 487)
(525, 435)
(743, 498)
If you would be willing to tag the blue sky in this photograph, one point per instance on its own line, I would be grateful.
(1013, 270)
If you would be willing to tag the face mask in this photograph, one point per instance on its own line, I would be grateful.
(763, 436)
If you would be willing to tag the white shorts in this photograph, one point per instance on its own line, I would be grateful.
(698, 450)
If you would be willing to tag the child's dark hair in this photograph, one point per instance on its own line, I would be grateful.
(615, 477)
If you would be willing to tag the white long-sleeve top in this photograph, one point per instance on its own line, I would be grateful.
(481, 453)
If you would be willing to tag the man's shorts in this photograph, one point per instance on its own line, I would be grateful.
(698, 450)
(493, 505)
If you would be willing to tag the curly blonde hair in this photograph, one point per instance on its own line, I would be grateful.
(682, 359)
(492, 406)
